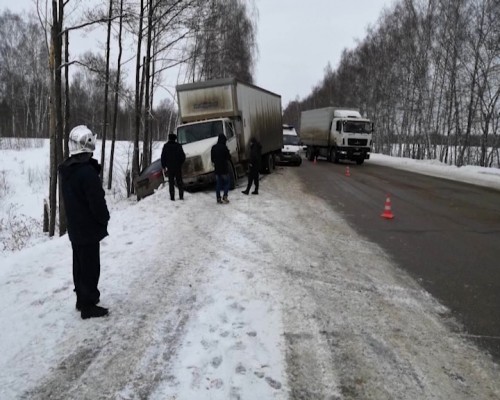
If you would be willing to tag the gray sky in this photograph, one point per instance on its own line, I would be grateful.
(296, 39)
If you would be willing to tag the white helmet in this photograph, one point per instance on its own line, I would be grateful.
(81, 140)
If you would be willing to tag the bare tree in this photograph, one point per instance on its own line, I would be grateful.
(224, 44)
(116, 98)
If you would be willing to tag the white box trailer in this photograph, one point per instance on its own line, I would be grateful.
(236, 109)
(336, 134)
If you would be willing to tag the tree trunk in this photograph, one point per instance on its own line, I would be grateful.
(106, 91)
(138, 98)
(62, 211)
(56, 111)
(117, 88)
(147, 78)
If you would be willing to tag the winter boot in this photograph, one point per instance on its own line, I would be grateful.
(79, 307)
(93, 311)
(245, 192)
(225, 199)
(255, 192)
(219, 200)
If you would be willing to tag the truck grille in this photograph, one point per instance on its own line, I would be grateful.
(192, 166)
(357, 142)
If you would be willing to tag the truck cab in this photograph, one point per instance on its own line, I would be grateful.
(197, 139)
(352, 137)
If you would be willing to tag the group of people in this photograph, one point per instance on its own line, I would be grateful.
(173, 157)
(87, 213)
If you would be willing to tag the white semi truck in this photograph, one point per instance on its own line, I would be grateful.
(236, 109)
(336, 134)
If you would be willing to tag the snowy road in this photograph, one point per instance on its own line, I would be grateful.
(269, 297)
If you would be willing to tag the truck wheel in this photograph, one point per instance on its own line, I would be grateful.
(360, 161)
(334, 156)
(331, 155)
(268, 163)
(310, 154)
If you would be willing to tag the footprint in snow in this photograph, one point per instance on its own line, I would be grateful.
(237, 307)
(240, 369)
(216, 362)
(216, 383)
(274, 384)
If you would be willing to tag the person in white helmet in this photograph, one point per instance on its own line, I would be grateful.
(87, 218)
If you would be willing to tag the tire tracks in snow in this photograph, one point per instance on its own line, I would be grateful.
(128, 353)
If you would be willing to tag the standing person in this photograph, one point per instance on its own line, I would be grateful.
(172, 158)
(87, 217)
(220, 158)
(254, 166)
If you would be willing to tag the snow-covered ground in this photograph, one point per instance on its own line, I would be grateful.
(269, 297)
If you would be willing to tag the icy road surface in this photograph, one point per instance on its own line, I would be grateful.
(269, 297)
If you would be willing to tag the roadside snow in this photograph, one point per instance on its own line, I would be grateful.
(269, 297)
(489, 177)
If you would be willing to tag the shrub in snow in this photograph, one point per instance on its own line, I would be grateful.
(16, 230)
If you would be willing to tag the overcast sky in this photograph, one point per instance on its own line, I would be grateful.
(296, 39)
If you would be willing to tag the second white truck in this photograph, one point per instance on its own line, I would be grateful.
(336, 134)
(231, 107)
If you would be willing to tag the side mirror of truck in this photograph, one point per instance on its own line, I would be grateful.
(373, 127)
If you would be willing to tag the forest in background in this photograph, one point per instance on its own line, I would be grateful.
(428, 75)
(46, 87)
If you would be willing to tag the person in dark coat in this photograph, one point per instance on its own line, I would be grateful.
(221, 159)
(172, 158)
(87, 218)
(254, 166)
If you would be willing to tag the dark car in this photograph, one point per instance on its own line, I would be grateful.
(149, 180)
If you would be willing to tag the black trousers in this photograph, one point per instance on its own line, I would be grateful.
(253, 177)
(177, 177)
(86, 272)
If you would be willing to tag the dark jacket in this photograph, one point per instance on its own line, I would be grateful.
(172, 156)
(220, 156)
(255, 155)
(86, 210)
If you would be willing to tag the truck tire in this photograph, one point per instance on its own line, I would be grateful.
(360, 161)
(334, 156)
(268, 163)
(331, 155)
(310, 154)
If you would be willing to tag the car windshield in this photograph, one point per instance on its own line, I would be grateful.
(291, 140)
(357, 127)
(196, 132)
